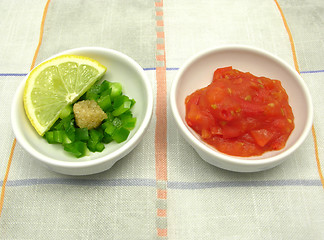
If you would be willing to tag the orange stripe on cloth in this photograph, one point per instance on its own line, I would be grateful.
(160, 34)
(161, 194)
(3, 189)
(160, 57)
(159, 23)
(160, 46)
(161, 126)
(162, 232)
(161, 121)
(40, 34)
(292, 44)
(159, 4)
(161, 212)
(317, 156)
(13, 146)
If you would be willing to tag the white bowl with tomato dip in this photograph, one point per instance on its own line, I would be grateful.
(198, 72)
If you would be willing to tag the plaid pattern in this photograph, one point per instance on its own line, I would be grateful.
(162, 189)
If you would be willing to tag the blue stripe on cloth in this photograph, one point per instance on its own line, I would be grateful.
(171, 184)
(315, 71)
(172, 69)
(82, 182)
(149, 69)
(12, 74)
(230, 184)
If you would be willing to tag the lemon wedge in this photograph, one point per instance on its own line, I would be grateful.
(56, 83)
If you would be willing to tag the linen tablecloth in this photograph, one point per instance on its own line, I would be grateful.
(162, 189)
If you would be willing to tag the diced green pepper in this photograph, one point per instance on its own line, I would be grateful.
(68, 122)
(107, 138)
(110, 117)
(119, 100)
(104, 86)
(117, 122)
(66, 138)
(122, 108)
(106, 93)
(66, 111)
(125, 115)
(94, 92)
(105, 124)
(100, 147)
(70, 132)
(64, 123)
(116, 89)
(129, 123)
(109, 128)
(78, 148)
(81, 134)
(96, 134)
(55, 136)
(133, 102)
(117, 126)
(120, 134)
(104, 102)
(92, 145)
(49, 136)
(58, 136)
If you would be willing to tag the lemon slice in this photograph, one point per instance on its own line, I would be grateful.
(56, 83)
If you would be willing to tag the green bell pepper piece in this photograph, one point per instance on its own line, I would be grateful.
(125, 106)
(120, 134)
(104, 102)
(116, 89)
(81, 134)
(109, 128)
(78, 148)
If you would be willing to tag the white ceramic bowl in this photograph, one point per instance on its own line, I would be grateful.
(198, 71)
(136, 85)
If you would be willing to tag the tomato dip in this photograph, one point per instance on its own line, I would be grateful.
(241, 114)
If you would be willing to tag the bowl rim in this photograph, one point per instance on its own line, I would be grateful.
(113, 156)
(217, 155)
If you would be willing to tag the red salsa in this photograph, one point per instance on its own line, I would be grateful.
(240, 114)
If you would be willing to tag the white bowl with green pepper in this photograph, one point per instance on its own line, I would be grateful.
(101, 127)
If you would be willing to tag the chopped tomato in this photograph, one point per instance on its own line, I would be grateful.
(261, 136)
(241, 114)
